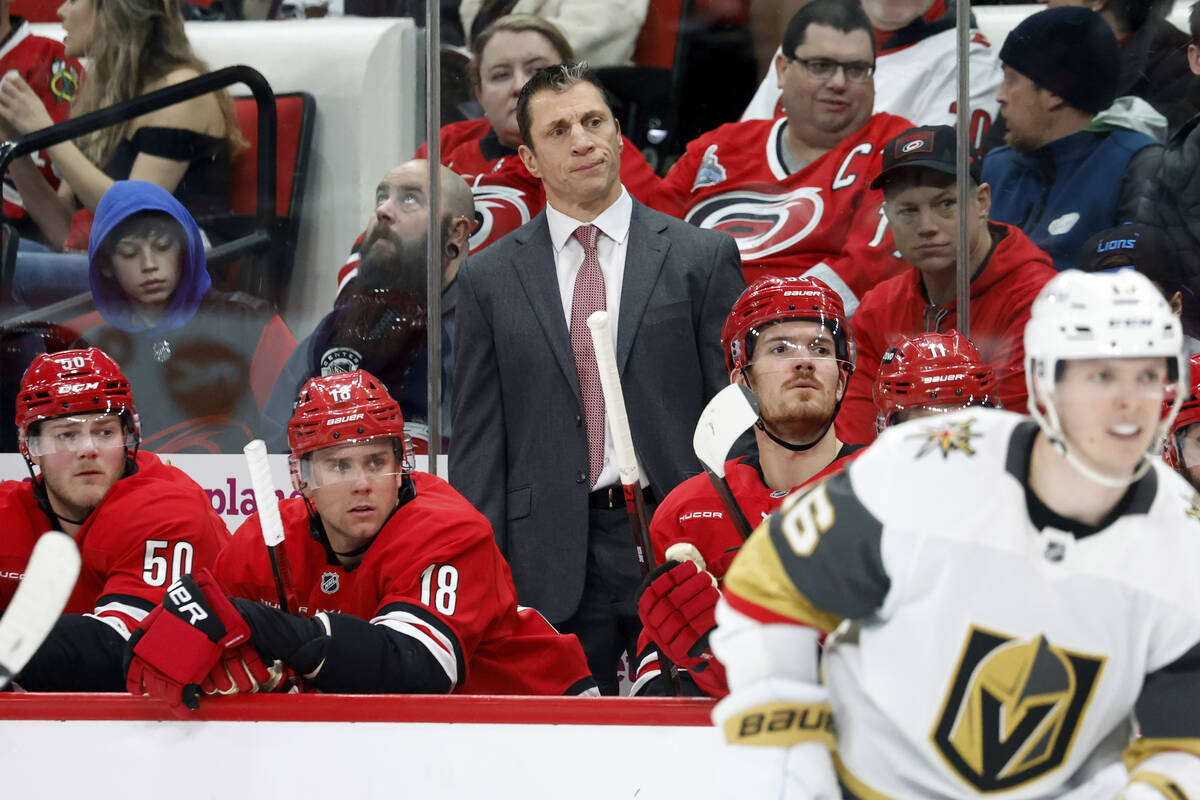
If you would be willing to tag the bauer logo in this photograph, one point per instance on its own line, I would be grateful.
(1013, 709)
(347, 418)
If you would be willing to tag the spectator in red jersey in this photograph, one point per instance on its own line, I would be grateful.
(1007, 272)
(54, 77)
(787, 339)
(484, 151)
(793, 191)
(393, 581)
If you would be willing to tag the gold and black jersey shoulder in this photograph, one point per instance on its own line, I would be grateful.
(817, 559)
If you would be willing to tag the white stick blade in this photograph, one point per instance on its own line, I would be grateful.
(39, 600)
(614, 398)
(726, 417)
(264, 492)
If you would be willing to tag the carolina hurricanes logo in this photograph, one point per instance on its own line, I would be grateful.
(499, 210)
(761, 223)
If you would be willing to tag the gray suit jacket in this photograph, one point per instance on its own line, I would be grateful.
(519, 450)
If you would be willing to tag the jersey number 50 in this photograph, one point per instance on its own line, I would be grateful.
(157, 570)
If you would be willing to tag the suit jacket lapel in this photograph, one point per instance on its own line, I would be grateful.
(643, 261)
(533, 262)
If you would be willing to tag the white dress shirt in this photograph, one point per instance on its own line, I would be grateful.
(611, 246)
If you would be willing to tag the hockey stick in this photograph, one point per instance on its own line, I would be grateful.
(39, 600)
(269, 520)
(631, 481)
(726, 417)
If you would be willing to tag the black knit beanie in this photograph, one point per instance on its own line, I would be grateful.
(1069, 50)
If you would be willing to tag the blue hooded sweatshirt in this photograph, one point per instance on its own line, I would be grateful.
(123, 200)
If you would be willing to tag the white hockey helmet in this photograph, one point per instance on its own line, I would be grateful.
(1119, 314)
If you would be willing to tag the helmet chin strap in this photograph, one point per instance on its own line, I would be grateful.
(795, 448)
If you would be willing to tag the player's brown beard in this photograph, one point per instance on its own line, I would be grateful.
(799, 425)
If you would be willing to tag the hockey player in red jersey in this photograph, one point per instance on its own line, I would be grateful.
(396, 579)
(1008, 270)
(139, 523)
(1181, 449)
(931, 373)
(794, 192)
(54, 77)
(787, 339)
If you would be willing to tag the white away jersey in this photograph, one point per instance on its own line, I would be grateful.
(983, 644)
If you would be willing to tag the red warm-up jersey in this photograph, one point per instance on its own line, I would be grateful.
(733, 179)
(692, 513)
(54, 77)
(152, 527)
(434, 574)
(1002, 295)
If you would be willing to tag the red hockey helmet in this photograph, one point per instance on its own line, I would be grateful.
(930, 370)
(74, 382)
(774, 299)
(343, 408)
(1189, 413)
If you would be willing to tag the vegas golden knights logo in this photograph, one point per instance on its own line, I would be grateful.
(1013, 709)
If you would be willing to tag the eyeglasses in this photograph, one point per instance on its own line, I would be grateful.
(823, 69)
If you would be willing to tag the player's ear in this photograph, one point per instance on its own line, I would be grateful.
(736, 376)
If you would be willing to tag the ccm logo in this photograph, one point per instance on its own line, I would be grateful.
(182, 598)
(73, 388)
(347, 418)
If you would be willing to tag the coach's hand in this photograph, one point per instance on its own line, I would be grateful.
(182, 640)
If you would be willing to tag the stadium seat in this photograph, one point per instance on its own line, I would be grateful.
(265, 274)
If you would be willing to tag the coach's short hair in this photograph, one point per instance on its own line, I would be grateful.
(558, 79)
(846, 16)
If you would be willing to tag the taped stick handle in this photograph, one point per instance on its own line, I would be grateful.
(269, 519)
(631, 482)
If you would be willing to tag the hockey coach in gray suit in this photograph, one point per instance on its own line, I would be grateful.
(531, 448)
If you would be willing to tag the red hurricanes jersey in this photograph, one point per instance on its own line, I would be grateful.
(152, 527)
(692, 513)
(733, 179)
(434, 574)
(55, 79)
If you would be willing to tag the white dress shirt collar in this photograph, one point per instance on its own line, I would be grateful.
(613, 221)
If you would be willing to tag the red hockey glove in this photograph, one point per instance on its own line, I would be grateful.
(720, 565)
(181, 641)
(242, 670)
(677, 605)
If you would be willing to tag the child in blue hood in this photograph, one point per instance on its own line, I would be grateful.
(206, 358)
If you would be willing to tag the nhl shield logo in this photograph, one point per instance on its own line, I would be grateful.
(1013, 709)
(330, 582)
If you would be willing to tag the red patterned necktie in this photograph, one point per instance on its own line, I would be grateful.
(586, 300)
